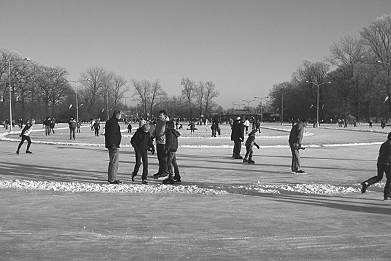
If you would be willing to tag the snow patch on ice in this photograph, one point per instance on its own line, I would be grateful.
(105, 188)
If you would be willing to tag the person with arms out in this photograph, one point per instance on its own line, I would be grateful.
(112, 143)
(171, 148)
(26, 136)
(383, 166)
(160, 138)
(295, 140)
(237, 136)
(250, 143)
(142, 143)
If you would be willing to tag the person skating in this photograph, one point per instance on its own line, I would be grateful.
(112, 143)
(52, 125)
(383, 166)
(142, 143)
(97, 127)
(46, 124)
(25, 135)
(295, 140)
(171, 148)
(129, 127)
(78, 125)
(192, 127)
(250, 142)
(160, 138)
(214, 127)
(72, 128)
(237, 136)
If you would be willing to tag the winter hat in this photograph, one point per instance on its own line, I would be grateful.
(238, 118)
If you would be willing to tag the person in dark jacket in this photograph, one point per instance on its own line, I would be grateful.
(72, 128)
(295, 140)
(112, 143)
(250, 143)
(96, 127)
(237, 136)
(215, 128)
(383, 166)
(171, 148)
(26, 136)
(129, 127)
(160, 139)
(142, 142)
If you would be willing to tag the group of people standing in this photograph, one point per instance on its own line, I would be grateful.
(166, 139)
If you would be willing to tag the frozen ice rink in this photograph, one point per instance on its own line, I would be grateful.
(56, 204)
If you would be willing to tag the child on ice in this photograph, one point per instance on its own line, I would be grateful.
(142, 142)
(250, 142)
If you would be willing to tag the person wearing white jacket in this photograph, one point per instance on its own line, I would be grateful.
(26, 136)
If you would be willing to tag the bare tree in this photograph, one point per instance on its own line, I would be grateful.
(188, 91)
(93, 82)
(118, 90)
(210, 94)
(143, 90)
(200, 96)
(377, 36)
(156, 94)
(347, 54)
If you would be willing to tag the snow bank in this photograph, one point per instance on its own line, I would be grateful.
(105, 188)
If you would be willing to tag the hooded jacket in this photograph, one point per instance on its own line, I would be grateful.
(112, 133)
(172, 140)
(237, 131)
(142, 140)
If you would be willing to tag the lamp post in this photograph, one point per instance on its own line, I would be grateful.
(261, 105)
(317, 98)
(76, 100)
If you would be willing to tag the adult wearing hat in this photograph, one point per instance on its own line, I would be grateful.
(112, 143)
(383, 166)
(237, 136)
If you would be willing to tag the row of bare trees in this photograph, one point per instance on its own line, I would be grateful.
(39, 91)
(101, 92)
(354, 81)
(36, 90)
(196, 99)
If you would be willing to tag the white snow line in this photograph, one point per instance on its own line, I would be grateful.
(105, 188)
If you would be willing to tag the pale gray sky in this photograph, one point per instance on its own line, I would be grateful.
(244, 46)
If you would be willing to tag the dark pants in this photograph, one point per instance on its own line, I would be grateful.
(24, 137)
(237, 148)
(295, 166)
(96, 132)
(249, 153)
(72, 133)
(47, 130)
(162, 158)
(171, 162)
(113, 164)
(141, 155)
(78, 129)
(381, 169)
